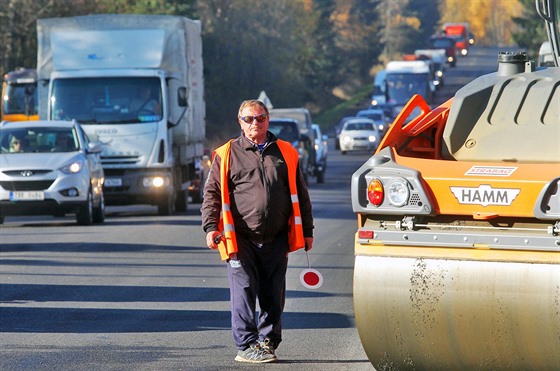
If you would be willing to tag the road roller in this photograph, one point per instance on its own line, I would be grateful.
(457, 251)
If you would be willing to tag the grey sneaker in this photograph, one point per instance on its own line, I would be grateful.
(268, 346)
(256, 354)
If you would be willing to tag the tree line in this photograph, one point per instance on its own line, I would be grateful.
(310, 53)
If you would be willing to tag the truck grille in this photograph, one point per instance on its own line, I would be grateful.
(119, 160)
(29, 185)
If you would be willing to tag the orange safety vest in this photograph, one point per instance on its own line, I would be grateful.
(226, 225)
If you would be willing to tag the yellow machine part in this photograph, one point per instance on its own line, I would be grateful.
(428, 308)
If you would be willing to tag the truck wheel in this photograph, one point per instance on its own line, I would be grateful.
(182, 201)
(99, 211)
(165, 204)
(85, 215)
(321, 177)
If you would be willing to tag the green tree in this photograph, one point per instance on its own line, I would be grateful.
(531, 31)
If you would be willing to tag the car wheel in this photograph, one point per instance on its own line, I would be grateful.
(85, 215)
(1, 220)
(99, 211)
(343, 152)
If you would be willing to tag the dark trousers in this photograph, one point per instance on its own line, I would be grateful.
(260, 275)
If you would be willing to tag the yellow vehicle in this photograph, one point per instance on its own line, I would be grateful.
(19, 96)
(457, 253)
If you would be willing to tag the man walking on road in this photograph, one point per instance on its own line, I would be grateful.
(256, 209)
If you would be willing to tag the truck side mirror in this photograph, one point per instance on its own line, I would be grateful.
(182, 96)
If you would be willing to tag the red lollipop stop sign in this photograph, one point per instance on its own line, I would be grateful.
(310, 278)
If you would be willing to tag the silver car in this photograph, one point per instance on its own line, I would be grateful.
(359, 134)
(50, 168)
(321, 151)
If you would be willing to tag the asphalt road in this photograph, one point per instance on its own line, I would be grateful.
(142, 292)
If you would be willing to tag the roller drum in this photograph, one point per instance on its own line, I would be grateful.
(430, 313)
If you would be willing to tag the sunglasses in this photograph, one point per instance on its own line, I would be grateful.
(249, 119)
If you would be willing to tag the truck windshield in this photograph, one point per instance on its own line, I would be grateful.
(117, 100)
(402, 86)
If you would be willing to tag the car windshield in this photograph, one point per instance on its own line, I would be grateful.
(351, 126)
(38, 140)
(285, 130)
(377, 116)
(442, 43)
(20, 99)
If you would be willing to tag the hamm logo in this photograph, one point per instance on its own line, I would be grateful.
(485, 195)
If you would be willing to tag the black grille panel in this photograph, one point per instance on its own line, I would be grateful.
(37, 185)
(18, 172)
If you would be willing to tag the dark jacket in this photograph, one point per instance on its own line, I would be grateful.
(259, 193)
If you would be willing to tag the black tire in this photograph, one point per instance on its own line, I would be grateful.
(182, 201)
(166, 204)
(85, 215)
(99, 211)
(343, 152)
(321, 177)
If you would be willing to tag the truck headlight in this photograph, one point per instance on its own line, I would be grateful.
(155, 181)
(398, 192)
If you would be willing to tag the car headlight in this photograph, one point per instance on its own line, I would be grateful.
(346, 139)
(398, 192)
(73, 167)
(439, 73)
(381, 127)
(372, 138)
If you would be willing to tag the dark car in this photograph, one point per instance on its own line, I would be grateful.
(287, 129)
(447, 43)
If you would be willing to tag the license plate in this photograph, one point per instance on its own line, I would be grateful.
(27, 196)
(113, 182)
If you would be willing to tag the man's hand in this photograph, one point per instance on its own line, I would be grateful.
(213, 238)
(308, 243)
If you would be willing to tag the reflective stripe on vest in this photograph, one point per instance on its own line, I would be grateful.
(226, 225)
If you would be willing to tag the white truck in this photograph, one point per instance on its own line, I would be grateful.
(134, 83)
